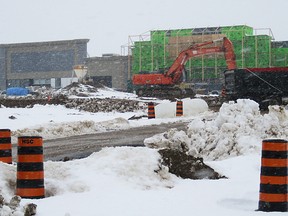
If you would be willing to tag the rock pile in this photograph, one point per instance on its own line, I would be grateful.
(14, 208)
(74, 96)
(86, 104)
(78, 89)
(29, 102)
(105, 105)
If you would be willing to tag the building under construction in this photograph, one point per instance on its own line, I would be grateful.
(158, 49)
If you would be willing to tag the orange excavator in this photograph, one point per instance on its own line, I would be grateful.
(171, 82)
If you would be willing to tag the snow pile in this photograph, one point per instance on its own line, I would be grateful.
(56, 121)
(139, 167)
(7, 179)
(132, 181)
(112, 93)
(52, 121)
(166, 109)
(191, 107)
(105, 105)
(56, 130)
(238, 129)
(75, 90)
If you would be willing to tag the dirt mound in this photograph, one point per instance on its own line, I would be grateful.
(187, 166)
(29, 102)
(105, 105)
(74, 96)
(86, 104)
(77, 89)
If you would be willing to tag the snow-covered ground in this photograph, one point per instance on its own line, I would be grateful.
(122, 180)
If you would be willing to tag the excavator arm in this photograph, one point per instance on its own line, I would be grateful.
(177, 68)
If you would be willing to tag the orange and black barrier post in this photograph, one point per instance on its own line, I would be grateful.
(5, 146)
(151, 110)
(179, 108)
(30, 172)
(274, 178)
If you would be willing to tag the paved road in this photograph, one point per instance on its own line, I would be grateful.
(82, 146)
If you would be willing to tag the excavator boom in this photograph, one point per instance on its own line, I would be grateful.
(176, 70)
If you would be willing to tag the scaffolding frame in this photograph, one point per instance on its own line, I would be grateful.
(178, 46)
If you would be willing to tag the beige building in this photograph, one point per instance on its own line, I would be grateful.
(110, 70)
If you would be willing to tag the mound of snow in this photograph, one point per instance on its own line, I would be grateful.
(191, 107)
(65, 129)
(139, 167)
(238, 129)
(75, 90)
(113, 168)
(194, 106)
(165, 110)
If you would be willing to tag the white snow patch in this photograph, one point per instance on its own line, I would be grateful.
(238, 129)
(130, 181)
(191, 107)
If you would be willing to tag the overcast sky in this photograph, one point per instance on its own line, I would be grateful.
(109, 23)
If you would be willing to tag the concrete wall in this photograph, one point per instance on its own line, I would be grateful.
(112, 69)
(2, 69)
(21, 63)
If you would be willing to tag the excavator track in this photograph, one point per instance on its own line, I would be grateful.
(165, 93)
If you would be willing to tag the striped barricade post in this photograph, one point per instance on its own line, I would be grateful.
(274, 179)
(151, 110)
(30, 172)
(179, 108)
(5, 146)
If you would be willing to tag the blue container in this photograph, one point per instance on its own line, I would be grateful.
(17, 91)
